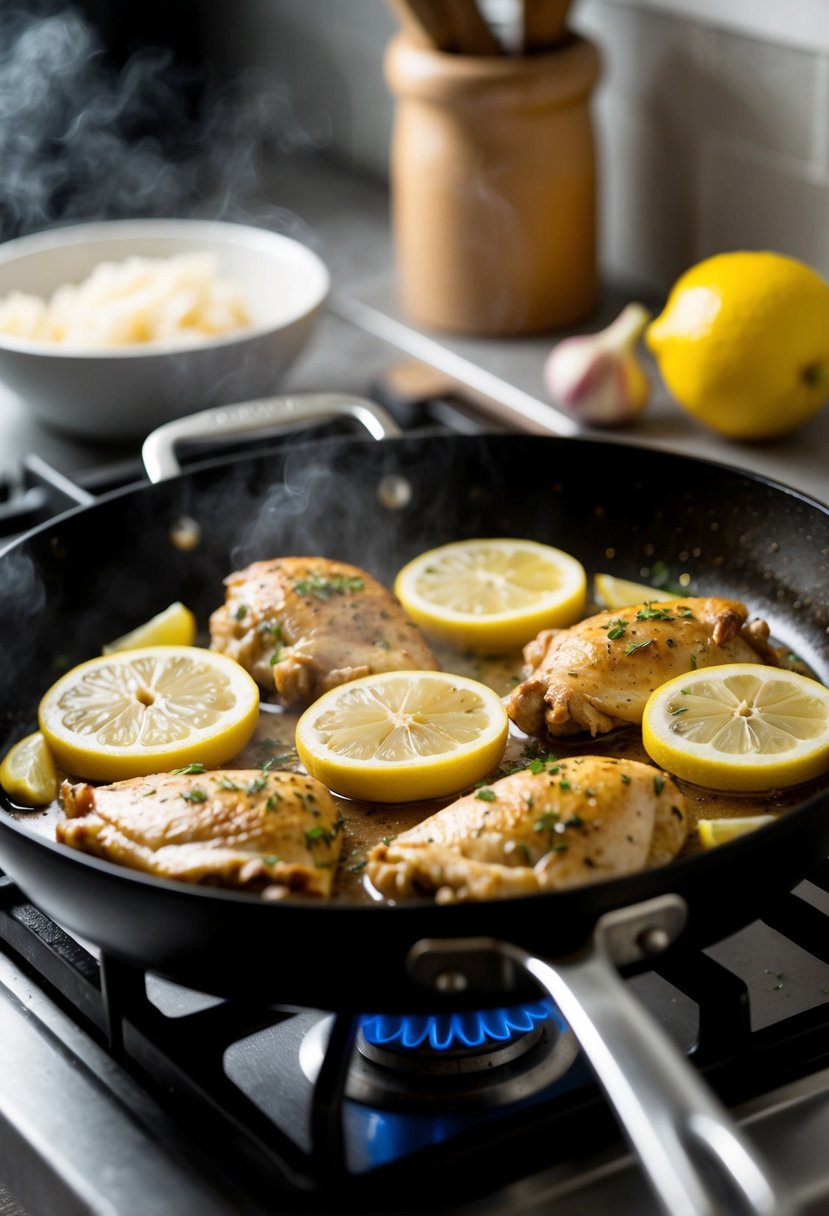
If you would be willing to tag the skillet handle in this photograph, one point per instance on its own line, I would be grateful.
(696, 1159)
(267, 413)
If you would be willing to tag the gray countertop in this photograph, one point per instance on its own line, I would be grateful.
(346, 219)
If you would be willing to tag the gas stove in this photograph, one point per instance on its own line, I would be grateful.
(123, 1093)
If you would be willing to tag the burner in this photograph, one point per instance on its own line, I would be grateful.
(451, 1061)
(454, 1042)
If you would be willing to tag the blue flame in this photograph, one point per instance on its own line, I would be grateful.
(440, 1031)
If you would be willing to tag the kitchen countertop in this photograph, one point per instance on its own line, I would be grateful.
(345, 218)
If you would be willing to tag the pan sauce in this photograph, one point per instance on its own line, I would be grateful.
(368, 824)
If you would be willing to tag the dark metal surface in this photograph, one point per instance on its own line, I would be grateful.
(91, 574)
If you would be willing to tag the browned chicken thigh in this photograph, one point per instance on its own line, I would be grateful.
(574, 822)
(243, 828)
(599, 673)
(306, 624)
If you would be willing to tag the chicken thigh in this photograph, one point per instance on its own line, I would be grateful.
(599, 673)
(306, 624)
(573, 822)
(243, 828)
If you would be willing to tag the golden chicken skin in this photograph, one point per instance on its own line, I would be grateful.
(303, 625)
(598, 674)
(243, 828)
(568, 823)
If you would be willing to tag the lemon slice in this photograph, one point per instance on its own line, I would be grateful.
(719, 831)
(175, 626)
(402, 736)
(27, 773)
(492, 595)
(143, 711)
(741, 726)
(612, 592)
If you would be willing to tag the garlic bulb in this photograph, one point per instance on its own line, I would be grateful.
(598, 378)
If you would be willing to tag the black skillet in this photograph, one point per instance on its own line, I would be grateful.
(96, 571)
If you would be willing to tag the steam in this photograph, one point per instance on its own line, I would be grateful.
(82, 138)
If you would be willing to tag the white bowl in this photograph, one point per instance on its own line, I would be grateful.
(124, 392)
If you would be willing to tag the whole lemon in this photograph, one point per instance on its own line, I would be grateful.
(743, 343)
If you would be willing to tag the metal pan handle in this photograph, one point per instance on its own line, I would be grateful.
(265, 414)
(695, 1158)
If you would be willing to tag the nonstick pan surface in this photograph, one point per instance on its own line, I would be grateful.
(95, 572)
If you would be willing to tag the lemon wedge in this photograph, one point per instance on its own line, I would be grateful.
(492, 595)
(403, 736)
(175, 626)
(142, 711)
(612, 592)
(28, 774)
(719, 831)
(742, 726)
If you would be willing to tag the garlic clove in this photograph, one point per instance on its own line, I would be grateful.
(598, 378)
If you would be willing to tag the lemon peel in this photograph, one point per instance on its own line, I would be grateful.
(403, 736)
(613, 592)
(713, 832)
(175, 626)
(743, 343)
(741, 727)
(28, 773)
(141, 711)
(492, 595)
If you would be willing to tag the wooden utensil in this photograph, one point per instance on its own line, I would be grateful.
(447, 25)
(543, 23)
(471, 32)
(426, 22)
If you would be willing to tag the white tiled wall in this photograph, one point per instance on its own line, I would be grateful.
(711, 135)
(710, 139)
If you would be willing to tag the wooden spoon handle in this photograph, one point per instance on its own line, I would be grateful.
(472, 34)
(543, 23)
(425, 21)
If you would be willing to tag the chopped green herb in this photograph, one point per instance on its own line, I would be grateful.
(616, 628)
(189, 770)
(631, 646)
(658, 784)
(257, 785)
(275, 656)
(693, 662)
(224, 783)
(486, 794)
(194, 795)
(686, 614)
(241, 612)
(546, 822)
(270, 859)
(318, 833)
(271, 803)
(324, 588)
(649, 613)
(565, 784)
(625, 778)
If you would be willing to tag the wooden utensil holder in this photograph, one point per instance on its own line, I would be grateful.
(493, 186)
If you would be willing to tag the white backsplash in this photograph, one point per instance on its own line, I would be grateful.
(709, 137)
